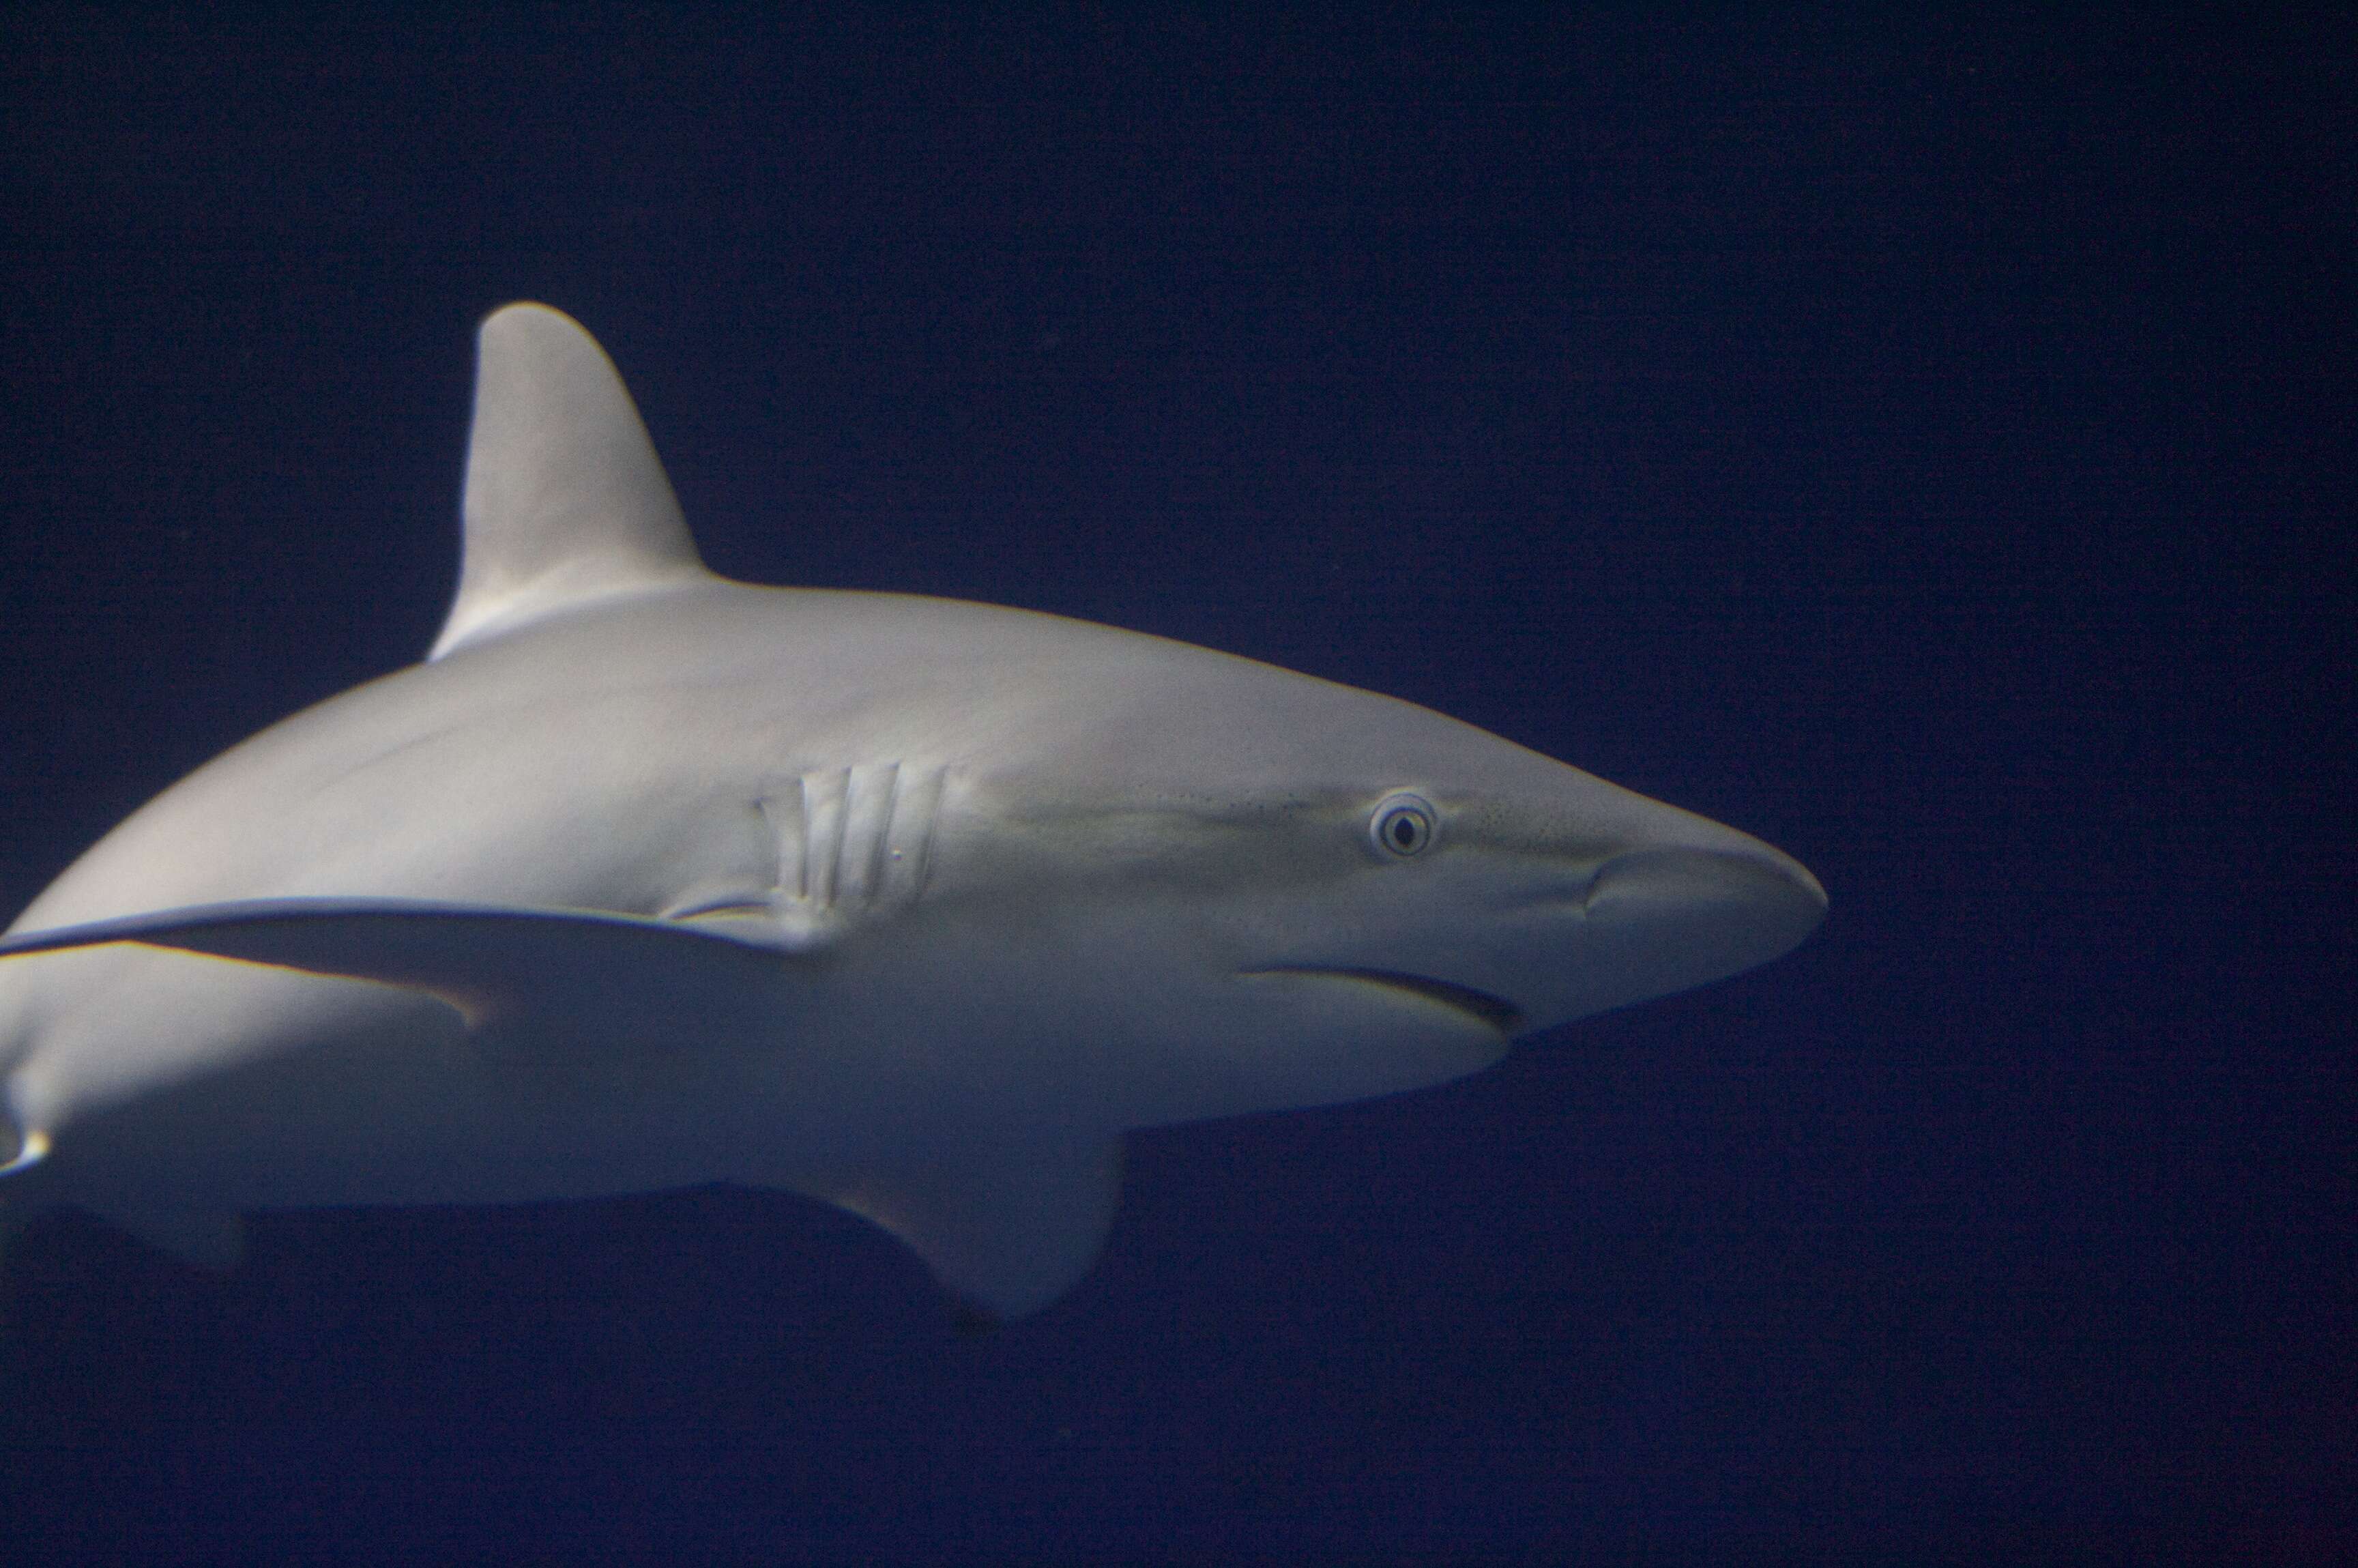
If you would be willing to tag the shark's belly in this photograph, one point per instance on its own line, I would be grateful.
(182, 1085)
(194, 1083)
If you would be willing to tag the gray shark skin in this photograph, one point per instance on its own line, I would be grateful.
(647, 879)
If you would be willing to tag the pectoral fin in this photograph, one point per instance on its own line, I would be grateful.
(487, 962)
(1007, 1229)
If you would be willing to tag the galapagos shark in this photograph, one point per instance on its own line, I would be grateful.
(645, 879)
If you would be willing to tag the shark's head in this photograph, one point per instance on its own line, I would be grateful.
(1329, 894)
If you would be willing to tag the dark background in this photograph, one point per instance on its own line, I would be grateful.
(1925, 445)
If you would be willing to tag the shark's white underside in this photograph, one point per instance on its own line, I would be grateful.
(648, 879)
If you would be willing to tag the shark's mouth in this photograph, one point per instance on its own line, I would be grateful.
(1493, 1011)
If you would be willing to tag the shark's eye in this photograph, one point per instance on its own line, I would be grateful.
(1403, 824)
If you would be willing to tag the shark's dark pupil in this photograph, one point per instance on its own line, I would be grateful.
(1403, 823)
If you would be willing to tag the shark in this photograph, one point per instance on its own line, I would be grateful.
(645, 879)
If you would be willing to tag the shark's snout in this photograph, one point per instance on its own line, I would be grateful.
(1664, 919)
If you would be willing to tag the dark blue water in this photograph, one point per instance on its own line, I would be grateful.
(1928, 447)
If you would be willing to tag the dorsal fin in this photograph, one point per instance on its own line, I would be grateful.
(566, 500)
